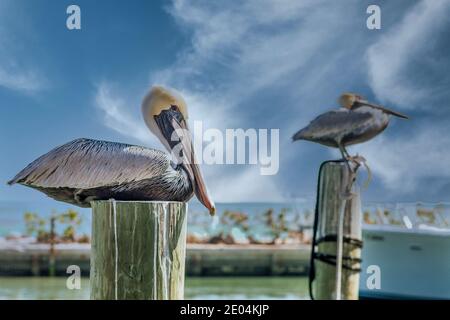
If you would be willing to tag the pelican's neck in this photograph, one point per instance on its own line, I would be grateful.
(184, 183)
(368, 109)
(380, 118)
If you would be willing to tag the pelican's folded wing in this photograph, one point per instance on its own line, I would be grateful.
(333, 124)
(86, 163)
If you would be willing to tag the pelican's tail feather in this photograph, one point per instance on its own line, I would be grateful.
(300, 135)
(15, 180)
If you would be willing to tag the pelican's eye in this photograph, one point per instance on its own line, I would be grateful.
(166, 121)
(176, 112)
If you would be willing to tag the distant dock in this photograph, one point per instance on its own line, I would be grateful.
(32, 259)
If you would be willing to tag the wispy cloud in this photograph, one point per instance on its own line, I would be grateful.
(15, 74)
(244, 186)
(404, 163)
(21, 80)
(404, 60)
(257, 45)
(408, 67)
(120, 116)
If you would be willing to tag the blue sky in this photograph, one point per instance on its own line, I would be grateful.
(239, 64)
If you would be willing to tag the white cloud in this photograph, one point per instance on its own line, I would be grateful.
(206, 107)
(15, 73)
(249, 47)
(405, 58)
(407, 68)
(402, 162)
(120, 116)
(244, 186)
(21, 80)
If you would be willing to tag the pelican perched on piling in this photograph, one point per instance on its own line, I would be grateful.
(357, 121)
(85, 170)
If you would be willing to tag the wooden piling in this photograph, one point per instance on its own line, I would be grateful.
(138, 250)
(334, 185)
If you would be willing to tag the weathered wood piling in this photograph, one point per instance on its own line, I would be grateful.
(138, 250)
(337, 260)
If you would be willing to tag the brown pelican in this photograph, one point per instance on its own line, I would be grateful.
(357, 121)
(84, 170)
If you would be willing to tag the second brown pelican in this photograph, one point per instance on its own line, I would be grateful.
(357, 121)
(84, 170)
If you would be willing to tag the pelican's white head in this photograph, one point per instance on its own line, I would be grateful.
(348, 99)
(158, 99)
(165, 113)
(353, 101)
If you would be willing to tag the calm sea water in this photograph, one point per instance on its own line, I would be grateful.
(38, 288)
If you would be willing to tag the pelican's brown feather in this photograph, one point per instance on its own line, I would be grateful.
(87, 163)
(335, 125)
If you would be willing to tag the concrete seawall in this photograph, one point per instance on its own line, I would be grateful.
(32, 259)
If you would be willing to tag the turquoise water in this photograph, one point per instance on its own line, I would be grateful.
(205, 288)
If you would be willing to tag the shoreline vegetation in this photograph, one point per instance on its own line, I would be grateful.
(270, 226)
(233, 227)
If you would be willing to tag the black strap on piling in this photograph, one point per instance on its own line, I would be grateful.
(333, 238)
(331, 259)
(328, 258)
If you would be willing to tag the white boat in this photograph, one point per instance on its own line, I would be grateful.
(414, 262)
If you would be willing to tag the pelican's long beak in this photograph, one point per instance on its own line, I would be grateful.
(201, 191)
(178, 140)
(388, 111)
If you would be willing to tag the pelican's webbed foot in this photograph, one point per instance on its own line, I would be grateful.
(358, 161)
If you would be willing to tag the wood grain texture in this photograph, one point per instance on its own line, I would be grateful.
(331, 189)
(138, 250)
